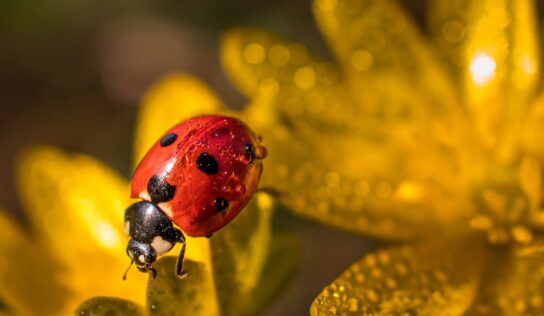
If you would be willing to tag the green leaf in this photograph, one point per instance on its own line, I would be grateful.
(193, 295)
(283, 257)
(239, 252)
(110, 306)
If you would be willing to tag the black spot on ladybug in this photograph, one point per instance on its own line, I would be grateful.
(250, 152)
(207, 164)
(160, 190)
(220, 204)
(168, 139)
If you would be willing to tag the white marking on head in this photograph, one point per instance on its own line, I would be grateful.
(145, 196)
(141, 258)
(161, 246)
(165, 207)
(127, 227)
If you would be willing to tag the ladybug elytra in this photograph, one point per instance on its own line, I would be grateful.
(198, 176)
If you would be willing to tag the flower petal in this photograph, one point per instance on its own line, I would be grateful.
(303, 87)
(75, 204)
(362, 183)
(193, 295)
(533, 126)
(495, 47)
(329, 161)
(512, 286)
(381, 52)
(104, 306)
(419, 280)
(27, 282)
(174, 98)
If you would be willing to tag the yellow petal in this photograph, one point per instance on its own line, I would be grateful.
(533, 127)
(495, 46)
(389, 64)
(511, 286)
(419, 280)
(75, 205)
(331, 159)
(361, 183)
(303, 87)
(27, 273)
(174, 98)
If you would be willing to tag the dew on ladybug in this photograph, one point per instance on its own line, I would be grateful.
(198, 176)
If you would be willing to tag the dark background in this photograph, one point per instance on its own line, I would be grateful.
(72, 74)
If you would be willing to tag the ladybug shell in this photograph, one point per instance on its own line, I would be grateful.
(201, 173)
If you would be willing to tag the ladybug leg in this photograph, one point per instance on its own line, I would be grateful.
(152, 271)
(179, 263)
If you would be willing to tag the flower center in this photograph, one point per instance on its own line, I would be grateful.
(503, 213)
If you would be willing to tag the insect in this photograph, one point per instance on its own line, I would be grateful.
(198, 176)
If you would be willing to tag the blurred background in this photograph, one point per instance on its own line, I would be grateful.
(72, 74)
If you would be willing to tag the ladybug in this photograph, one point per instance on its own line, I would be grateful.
(198, 176)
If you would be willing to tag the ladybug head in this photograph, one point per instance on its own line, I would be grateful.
(152, 235)
(143, 255)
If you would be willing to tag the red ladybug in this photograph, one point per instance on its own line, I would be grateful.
(199, 176)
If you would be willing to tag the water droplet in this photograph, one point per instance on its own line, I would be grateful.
(254, 53)
(226, 188)
(384, 257)
(376, 273)
(362, 60)
(305, 78)
(522, 235)
(362, 188)
(278, 55)
(269, 87)
(401, 269)
(353, 304)
(218, 132)
(332, 179)
(372, 296)
(261, 152)
(370, 260)
(314, 102)
(299, 54)
(383, 190)
(240, 188)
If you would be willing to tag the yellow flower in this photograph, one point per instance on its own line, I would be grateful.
(75, 248)
(433, 140)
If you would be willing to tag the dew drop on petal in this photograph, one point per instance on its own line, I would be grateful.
(305, 78)
(279, 55)
(254, 53)
(362, 60)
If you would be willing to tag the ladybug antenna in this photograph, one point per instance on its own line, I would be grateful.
(126, 271)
